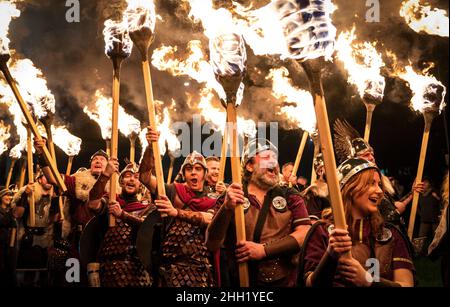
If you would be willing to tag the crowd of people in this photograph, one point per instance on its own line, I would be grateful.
(190, 232)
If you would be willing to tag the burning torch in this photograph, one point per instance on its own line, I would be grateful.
(310, 37)
(363, 63)
(141, 21)
(428, 98)
(71, 146)
(117, 47)
(4, 57)
(228, 58)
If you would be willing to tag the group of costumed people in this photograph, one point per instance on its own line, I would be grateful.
(187, 237)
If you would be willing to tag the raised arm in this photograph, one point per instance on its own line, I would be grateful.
(98, 190)
(148, 162)
(38, 146)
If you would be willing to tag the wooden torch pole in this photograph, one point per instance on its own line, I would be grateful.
(313, 70)
(428, 116)
(12, 83)
(237, 178)
(10, 171)
(301, 148)
(369, 112)
(31, 204)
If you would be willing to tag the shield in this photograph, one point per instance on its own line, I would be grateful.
(91, 238)
(148, 240)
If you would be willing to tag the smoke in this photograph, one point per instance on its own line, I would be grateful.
(71, 56)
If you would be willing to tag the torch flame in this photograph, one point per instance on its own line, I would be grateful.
(33, 87)
(363, 64)
(101, 113)
(428, 92)
(195, 65)
(141, 14)
(424, 18)
(8, 11)
(167, 135)
(308, 30)
(16, 151)
(69, 143)
(4, 136)
(117, 39)
(302, 111)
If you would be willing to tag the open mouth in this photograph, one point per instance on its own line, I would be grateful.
(374, 199)
(194, 181)
(272, 171)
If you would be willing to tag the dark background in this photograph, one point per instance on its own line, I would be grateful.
(71, 57)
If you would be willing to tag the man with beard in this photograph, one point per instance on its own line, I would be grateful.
(7, 224)
(119, 263)
(184, 258)
(276, 220)
(212, 176)
(78, 187)
(349, 144)
(316, 195)
(36, 240)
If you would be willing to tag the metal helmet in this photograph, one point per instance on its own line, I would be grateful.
(192, 159)
(100, 152)
(351, 167)
(131, 167)
(255, 146)
(360, 146)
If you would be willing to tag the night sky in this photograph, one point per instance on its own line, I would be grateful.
(72, 59)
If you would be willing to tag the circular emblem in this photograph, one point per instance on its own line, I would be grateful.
(385, 235)
(330, 228)
(279, 203)
(246, 204)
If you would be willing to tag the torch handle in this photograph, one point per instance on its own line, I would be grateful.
(10, 171)
(12, 239)
(61, 200)
(423, 153)
(223, 156)
(132, 149)
(329, 161)
(313, 71)
(152, 119)
(69, 165)
(23, 170)
(33, 126)
(50, 143)
(369, 112)
(32, 216)
(239, 217)
(301, 148)
(114, 137)
(169, 175)
(108, 147)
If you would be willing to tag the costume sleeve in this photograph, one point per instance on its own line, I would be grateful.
(315, 249)
(298, 208)
(401, 256)
(70, 184)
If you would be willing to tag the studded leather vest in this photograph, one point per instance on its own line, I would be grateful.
(119, 263)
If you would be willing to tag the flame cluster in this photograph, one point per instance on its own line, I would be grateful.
(299, 106)
(363, 64)
(422, 18)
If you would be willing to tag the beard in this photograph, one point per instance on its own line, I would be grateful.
(259, 178)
